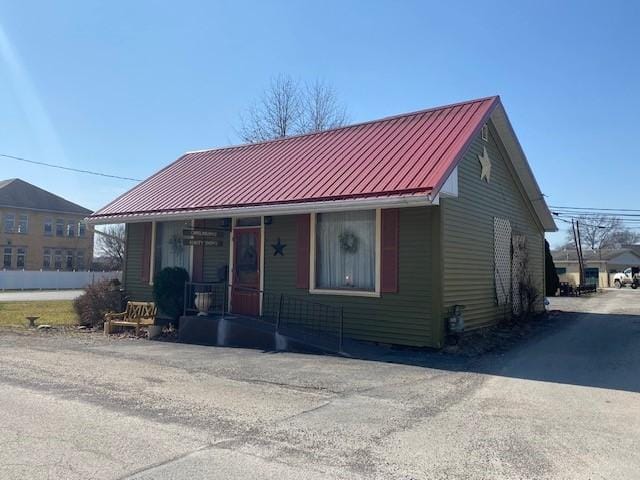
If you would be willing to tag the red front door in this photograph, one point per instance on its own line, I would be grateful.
(245, 295)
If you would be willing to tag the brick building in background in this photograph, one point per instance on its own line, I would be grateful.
(42, 231)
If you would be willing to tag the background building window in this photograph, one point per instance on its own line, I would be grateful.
(59, 227)
(345, 250)
(48, 226)
(58, 260)
(6, 258)
(46, 259)
(69, 262)
(82, 229)
(21, 256)
(71, 229)
(9, 223)
(23, 223)
(80, 260)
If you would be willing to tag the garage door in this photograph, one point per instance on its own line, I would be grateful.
(591, 276)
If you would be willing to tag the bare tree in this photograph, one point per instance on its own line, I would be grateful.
(275, 115)
(625, 236)
(111, 245)
(285, 108)
(601, 231)
(321, 109)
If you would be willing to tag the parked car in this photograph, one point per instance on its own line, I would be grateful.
(629, 276)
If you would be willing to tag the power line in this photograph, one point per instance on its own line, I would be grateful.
(77, 170)
(593, 209)
(631, 223)
(595, 214)
(632, 218)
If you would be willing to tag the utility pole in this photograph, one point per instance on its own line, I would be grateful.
(582, 278)
(576, 240)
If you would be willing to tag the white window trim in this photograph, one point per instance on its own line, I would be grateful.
(350, 293)
(152, 256)
(26, 225)
(193, 226)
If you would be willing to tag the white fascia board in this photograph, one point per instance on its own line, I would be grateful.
(272, 210)
(450, 186)
(523, 169)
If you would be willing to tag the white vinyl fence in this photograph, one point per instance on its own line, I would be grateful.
(39, 280)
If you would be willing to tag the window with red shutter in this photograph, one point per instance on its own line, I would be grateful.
(390, 231)
(302, 251)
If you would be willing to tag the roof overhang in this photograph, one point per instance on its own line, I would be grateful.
(522, 167)
(397, 201)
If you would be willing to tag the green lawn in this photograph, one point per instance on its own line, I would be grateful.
(59, 312)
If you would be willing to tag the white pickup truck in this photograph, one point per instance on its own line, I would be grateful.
(629, 276)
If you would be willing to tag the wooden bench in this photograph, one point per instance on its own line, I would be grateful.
(136, 315)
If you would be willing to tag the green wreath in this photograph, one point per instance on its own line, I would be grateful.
(349, 241)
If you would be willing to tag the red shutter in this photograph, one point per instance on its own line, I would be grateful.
(146, 252)
(302, 253)
(390, 230)
(198, 256)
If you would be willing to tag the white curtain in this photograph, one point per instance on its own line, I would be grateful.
(170, 252)
(345, 250)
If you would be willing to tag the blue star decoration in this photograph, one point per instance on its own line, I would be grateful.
(278, 248)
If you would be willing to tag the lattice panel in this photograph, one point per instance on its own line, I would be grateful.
(518, 270)
(502, 259)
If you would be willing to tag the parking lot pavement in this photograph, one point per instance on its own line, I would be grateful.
(39, 295)
(563, 404)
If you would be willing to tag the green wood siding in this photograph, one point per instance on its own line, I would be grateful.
(215, 257)
(467, 224)
(136, 289)
(399, 318)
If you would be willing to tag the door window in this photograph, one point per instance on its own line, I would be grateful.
(247, 271)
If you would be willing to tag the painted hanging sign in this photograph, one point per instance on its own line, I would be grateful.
(201, 242)
(202, 238)
(202, 233)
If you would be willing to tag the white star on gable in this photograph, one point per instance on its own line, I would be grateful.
(485, 162)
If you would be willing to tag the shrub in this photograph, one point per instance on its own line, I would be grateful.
(552, 282)
(98, 299)
(168, 291)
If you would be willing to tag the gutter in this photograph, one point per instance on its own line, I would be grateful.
(260, 210)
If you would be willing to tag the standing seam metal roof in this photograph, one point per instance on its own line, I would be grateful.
(405, 154)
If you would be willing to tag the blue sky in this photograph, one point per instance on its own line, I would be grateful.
(125, 87)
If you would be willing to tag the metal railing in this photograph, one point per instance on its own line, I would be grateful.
(205, 298)
(294, 316)
(310, 320)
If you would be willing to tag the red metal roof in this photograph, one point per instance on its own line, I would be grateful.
(405, 154)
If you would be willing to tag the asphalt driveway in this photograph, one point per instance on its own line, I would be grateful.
(563, 404)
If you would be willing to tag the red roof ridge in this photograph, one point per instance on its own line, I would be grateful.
(344, 127)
